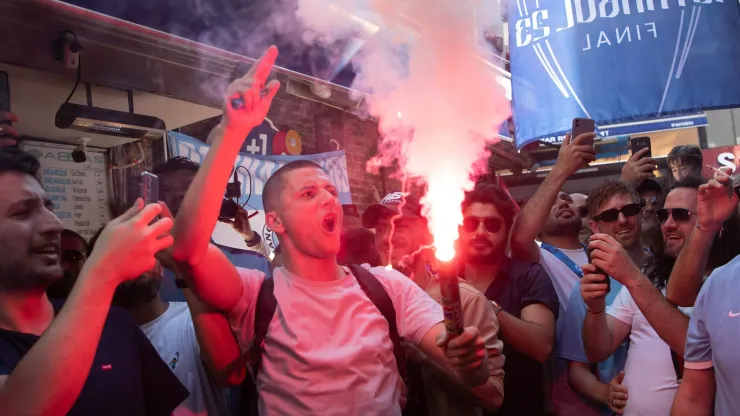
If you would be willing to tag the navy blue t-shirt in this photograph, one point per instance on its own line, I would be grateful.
(127, 377)
(518, 285)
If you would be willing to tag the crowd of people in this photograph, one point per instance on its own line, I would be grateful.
(622, 301)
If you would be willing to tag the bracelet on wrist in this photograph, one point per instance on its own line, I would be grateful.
(708, 229)
(597, 312)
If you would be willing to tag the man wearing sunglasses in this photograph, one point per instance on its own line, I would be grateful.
(640, 311)
(401, 233)
(555, 218)
(74, 247)
(650, 193)
(522, 294)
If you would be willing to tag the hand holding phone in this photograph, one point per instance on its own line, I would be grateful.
(639, 143)
(581, 126)
(149, 188)
(599, 271)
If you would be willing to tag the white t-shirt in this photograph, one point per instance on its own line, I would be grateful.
(173, 336)
(648, 373)
(561, 275)
(327, 350)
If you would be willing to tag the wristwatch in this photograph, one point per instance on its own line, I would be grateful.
(496, 307)
(181, 283)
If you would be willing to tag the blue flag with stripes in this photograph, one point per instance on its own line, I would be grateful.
(620, 60)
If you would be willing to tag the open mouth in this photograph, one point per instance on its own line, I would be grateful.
(51, 251)
(330, 222)
(674, 237)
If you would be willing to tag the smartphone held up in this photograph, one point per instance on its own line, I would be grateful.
(581, 126)
(607, 280)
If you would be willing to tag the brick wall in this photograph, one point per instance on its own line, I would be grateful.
(323, 129)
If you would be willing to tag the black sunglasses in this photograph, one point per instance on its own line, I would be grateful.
(491, 224)
(71, 256)
(611, 215)
(678, 214)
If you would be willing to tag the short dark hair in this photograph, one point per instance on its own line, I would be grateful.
(175, 164)
(69, 233)
(94, 240)
(489, 193)
(271, 191)
(649, 185)
(600, 195)
(14, 159)
(685, 154)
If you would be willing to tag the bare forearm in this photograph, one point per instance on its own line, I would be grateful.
(685, 406)
(688, 272)
(533, 217)
(529, 338)
(670, 323)
(585, 383)
(596, 336)
(219, 349)
(63, 354)
(200, 208)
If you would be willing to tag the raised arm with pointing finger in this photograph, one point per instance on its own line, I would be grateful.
(213, 278)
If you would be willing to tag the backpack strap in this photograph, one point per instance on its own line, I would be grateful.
(263, 314)
(377, 294)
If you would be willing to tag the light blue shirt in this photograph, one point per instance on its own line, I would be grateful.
(570, 342)
(713, 340)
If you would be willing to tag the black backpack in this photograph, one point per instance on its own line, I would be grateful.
(265, 311)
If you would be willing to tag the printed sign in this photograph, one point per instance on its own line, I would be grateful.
(79, 191)
(720, 157)
(266, 139)
(620, 60)
(260, 168)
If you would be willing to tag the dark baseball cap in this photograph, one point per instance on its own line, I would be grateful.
(391, 203)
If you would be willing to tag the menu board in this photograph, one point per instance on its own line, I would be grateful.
(79, 191)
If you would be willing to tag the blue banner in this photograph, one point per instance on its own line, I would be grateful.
(253, 171)
(617, 61)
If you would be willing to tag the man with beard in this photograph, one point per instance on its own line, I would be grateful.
(640, 311)
(521, 293)
(581, 202)
(74, 249)
(650, 193)
(555, 217)
(176, 175)
(84, 358)
(169, 327)
(325, 346)
(711, 383)
(402, 233)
